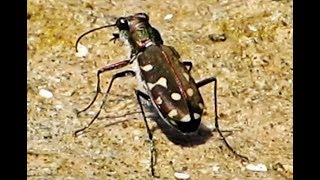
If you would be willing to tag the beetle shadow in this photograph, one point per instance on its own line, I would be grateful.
(198, 137)
(201, 136)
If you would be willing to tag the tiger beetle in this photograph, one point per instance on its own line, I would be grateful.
(166, 81)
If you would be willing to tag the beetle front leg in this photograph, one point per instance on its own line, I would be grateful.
(152, 146)
(217, 128)
(115, 76)
(109, 67)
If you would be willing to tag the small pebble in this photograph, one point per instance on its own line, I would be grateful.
(215, 168)
(91, 112)
(82, 51)
(58, 106)
(252, 28)
(168, 17)
(217, 37)
(136, 134)
(45, 93)
(98, 151)
(257, 167)
(179, 175)
(47, 171)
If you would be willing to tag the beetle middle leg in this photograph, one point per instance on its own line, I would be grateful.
(152, 146)
(115, 76)
(205, 82)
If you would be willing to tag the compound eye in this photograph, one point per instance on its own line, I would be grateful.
(122, 24)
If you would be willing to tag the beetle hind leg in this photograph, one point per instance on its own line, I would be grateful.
(216, 123)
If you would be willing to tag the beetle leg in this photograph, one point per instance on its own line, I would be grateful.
(115, 37)
(100, 71)
(189, 64)
(205, 82)
(115, 76)
(152, 146)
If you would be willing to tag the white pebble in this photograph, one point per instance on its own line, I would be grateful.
(179, 175)
(45, 93)
(58, 106)
(168, 17)
(252, 28)
(82, 51)
(257, 167)
(98, 151)
(89, 145)
(215, 168)
(136, 134)
(136, 138)
(91, 112)
(47, 171)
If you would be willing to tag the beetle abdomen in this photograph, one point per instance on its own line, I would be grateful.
(171, 87)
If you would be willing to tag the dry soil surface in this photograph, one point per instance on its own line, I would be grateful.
(253, 67)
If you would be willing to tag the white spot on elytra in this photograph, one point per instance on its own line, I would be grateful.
(162, 82)
(196, 115)
(172, 113)
(186, 76)
(190, 92)
(186, 118)
(159, 100)
(147, 67)
(176, 96)
(201, 106)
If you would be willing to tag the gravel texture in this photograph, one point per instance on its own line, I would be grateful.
(246, 44)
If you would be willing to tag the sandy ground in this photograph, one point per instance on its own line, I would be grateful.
(253, 67)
